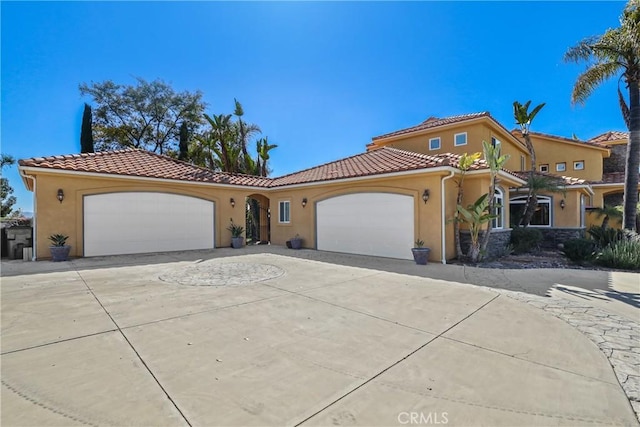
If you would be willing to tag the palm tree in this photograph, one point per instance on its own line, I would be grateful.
(496, 162)
(615, 52)
(608, 212)
(244, 132)
(537, 184)
(263, 147)
(523, 119)
(464, 164)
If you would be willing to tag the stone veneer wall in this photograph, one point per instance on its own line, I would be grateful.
(498, 241)
(551, 237)
(617, 161)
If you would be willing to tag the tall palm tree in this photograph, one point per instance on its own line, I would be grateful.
(616, 52)
(244, 132)
(523, 119)
(263, 147)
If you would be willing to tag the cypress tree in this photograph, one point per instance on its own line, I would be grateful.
(184, 142)
(86, 134)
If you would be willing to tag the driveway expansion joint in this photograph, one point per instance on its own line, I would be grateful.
(144, 363)
(614, 335)
(411, 353)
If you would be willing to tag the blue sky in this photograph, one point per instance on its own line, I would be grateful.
(320, 79)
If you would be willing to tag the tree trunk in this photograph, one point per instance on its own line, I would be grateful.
(633, 159)
(528, 211)
(456, 225)
(474, 252)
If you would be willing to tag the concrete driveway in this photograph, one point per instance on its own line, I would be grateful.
(218, 338)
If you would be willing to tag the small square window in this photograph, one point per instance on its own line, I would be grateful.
(578, 166)
(434, 143)
(561, 167)
(544, 168)
(460, 139)
(495, 142)
(284, 212)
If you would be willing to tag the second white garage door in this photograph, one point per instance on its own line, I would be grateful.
(379, 224)
(140, 222)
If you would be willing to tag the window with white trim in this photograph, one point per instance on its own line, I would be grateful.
(495, 142)
(284, 212)
(544, 168)
(498, 201)
(460, 139)
(523, 160)
(541, 217)
(579, 165)
(434, 143)
(561, 167)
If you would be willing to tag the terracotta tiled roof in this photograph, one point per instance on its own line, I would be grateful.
(609, 136)
(562, 180)
(132, 162)
(141, 163)
(381, 161)
(433, 122)
(518, 133)
(611, 178)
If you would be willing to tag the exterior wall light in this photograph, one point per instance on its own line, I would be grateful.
(304, 202)
(562, 204)
(233, 202)
(425, 196)
(60, 195)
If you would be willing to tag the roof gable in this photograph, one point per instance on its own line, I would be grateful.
(561, 139)
(434, 122)
(610, 136)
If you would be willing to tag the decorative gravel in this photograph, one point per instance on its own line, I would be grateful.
(211, 273)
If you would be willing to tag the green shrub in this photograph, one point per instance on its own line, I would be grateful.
(525, 239)
(605, 236)
(579, 250)
(623, 254)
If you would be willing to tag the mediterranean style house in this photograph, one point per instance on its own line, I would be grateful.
(402, 188)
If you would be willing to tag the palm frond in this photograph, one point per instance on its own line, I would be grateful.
(588, 81)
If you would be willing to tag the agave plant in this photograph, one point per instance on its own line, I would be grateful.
(58, 239)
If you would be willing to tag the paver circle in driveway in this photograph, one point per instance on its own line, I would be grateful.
(215, 273)
(319, 345)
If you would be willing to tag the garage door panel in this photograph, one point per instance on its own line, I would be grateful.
(139, 222)
(380, 224)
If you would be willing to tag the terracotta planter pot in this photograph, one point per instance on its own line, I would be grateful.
(421, 255)
(60, 253)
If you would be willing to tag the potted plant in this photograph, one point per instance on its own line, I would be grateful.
(237, 240)
(59, 249)
(296, 242)
(420, 253)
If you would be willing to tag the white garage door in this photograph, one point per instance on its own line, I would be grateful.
(129, 223)
(379, 224)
